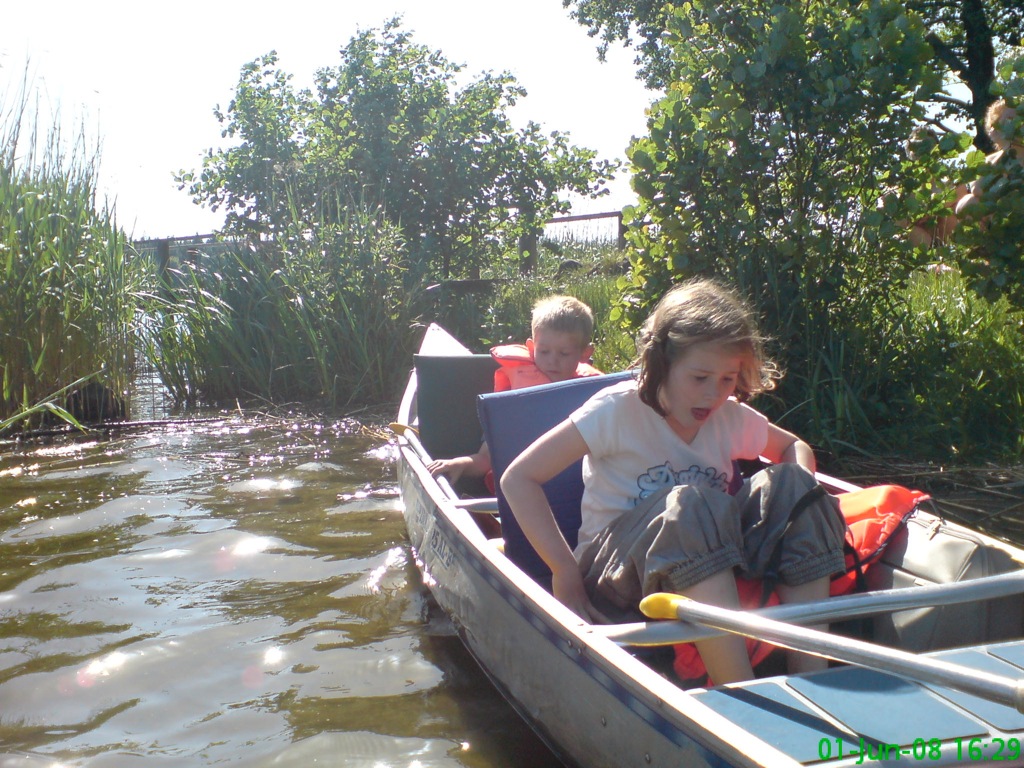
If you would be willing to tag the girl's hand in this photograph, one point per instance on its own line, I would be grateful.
(523, 485)
(567, 587)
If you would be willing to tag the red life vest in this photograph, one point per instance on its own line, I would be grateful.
(872, 515)
(516, 368)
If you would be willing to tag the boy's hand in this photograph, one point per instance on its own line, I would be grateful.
(453, 468)
(477, 465)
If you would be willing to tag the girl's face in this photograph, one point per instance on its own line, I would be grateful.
(699, 382)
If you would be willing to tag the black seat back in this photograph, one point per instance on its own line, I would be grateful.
(446, 390)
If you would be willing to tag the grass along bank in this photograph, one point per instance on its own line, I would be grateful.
(69, 289)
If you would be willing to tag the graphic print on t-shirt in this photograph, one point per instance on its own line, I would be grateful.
(663, 476)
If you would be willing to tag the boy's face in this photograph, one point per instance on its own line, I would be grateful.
(556, 353)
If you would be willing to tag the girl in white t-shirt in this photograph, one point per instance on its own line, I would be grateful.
(663, 508)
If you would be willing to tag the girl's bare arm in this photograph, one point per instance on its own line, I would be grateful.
(522, 484)
(784, 446)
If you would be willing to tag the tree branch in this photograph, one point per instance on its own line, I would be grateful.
(940, 125)
(946, 54)
(946, 99)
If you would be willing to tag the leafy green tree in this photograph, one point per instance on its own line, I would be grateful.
(391, 126)
(635, 22)
(966, 37)
(767, 158)
(250, 180)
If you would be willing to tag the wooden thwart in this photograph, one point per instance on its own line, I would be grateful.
(998, 688)
(817, 612)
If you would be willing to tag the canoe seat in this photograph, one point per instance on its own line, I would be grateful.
(512, 420)
(446, 391)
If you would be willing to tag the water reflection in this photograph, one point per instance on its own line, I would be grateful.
(235, 592)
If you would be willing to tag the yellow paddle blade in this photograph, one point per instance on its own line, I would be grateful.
(662, 605)
(399, 429)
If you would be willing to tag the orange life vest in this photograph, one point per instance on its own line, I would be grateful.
(872, 516)
(516, 368)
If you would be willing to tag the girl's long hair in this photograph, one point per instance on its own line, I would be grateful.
(696, 312)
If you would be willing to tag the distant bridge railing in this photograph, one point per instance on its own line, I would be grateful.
(600, 227)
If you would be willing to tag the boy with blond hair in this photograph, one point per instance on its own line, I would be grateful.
(1006, 131)
(559, 348)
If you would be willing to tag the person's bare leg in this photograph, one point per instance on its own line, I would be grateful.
(798, 662)
(724, 657)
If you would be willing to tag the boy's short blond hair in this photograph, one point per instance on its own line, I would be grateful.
(999, 120)
(993, 113)
(563, 314)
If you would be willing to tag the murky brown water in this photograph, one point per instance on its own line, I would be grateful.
(236, 592)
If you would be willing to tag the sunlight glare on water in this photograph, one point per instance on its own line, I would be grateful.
(238, 592)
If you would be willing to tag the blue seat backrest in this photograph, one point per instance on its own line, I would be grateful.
(446, 390)
(511, 421)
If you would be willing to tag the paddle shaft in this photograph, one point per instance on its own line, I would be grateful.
(833, 609)
(1003, 690)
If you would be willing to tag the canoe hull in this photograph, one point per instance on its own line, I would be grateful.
(597, 705)
(536, 654)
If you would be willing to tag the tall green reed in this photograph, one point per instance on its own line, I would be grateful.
(321, 313)
(49, 406)
(955, 383)
(68, 279)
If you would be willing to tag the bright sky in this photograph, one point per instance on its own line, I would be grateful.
(145, 78)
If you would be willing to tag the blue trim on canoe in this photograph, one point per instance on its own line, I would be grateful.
(657, 721)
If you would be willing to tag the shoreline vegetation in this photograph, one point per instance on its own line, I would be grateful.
(889, 349)
(205, 340)
(71, 295)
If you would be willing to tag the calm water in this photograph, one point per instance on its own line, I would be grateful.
(237, 593)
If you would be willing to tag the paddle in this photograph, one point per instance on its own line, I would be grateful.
(832, 609)
(998, 688)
